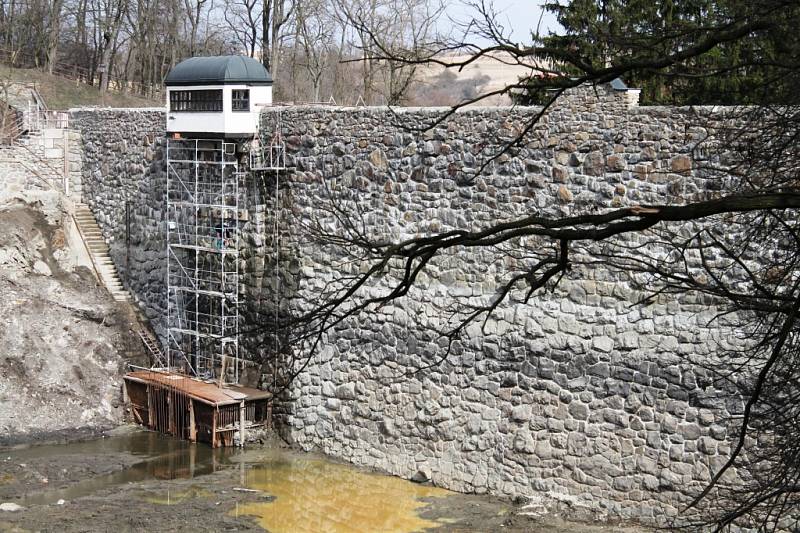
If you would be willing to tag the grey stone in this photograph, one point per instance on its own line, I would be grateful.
(603, 344)
(521, 413)
(346, 391)
(11, 507)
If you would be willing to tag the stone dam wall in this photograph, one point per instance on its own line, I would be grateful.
(580, 394)
(124, 183)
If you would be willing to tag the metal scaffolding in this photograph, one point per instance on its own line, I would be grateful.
(203, 220)
(268, 161)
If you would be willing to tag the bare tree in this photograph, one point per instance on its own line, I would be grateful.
(243, 18)
(112, 15)
(54, 28)
(275, 15)
(409, 28)
(315, 33)
(194, 13)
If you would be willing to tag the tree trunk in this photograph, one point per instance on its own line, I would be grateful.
(52, 34)
(266, 23)
(109, 39)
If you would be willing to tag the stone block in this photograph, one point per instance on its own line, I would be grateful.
(53, 133)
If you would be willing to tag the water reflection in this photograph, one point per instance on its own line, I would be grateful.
(301, 492)
(314, 495)
(163, 457)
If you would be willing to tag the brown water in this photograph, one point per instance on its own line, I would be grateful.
(312, 494)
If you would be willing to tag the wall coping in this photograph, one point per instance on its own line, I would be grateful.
(116, 109)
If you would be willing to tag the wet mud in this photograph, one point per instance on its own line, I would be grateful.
(144, 481)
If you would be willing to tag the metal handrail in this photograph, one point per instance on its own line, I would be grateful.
(86, 246)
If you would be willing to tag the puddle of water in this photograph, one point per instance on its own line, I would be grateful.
(302, 493)
(142, 443)
(314, 495)
(162, 457)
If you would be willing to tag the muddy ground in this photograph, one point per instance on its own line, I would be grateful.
(67, 488)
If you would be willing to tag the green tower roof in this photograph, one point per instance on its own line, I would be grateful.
(218, 70)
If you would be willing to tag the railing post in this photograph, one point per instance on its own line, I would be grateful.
(66, 162)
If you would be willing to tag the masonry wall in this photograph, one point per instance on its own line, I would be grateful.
(579, 394)
(124, 182)
(41, 162)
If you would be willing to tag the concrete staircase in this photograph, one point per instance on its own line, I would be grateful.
(98, 248)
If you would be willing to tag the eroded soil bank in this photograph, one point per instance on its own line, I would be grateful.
(139, 480)
(64, 340)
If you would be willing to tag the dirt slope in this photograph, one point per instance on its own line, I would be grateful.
(62, 337)
(63, 93)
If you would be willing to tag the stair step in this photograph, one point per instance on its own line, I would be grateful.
(100, 251)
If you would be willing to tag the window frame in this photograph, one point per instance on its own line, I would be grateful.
(196, 101)
(245, 98)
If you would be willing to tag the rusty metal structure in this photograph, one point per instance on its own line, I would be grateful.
(187, 408)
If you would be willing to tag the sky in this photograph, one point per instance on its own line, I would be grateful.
(518, 17)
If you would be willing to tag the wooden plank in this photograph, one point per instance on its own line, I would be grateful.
(214, 429)
(192, 426)
(242, 417)
(150, 409)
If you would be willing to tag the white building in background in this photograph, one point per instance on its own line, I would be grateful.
(218, 96)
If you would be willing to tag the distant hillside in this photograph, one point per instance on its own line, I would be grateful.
(441, 86)
(62, 93)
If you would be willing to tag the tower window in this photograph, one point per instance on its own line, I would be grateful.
(240, 99)
(204, 100)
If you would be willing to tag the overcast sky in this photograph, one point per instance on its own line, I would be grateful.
(517, 16)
